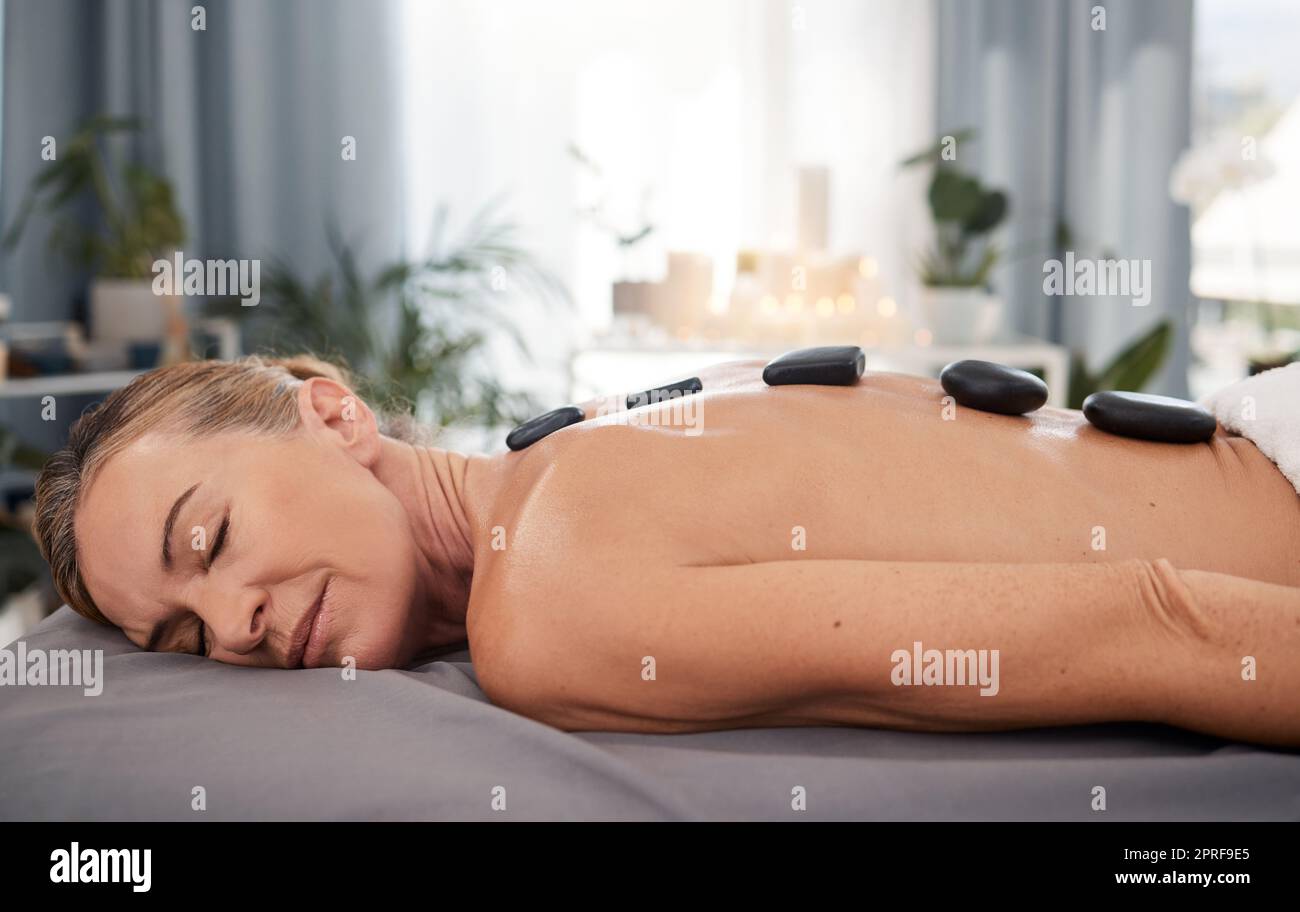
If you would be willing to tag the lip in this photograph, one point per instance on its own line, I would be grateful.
(308, 640)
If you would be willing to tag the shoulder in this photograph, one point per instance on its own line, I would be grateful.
(542, 638)
(550, 571)
(571, 559)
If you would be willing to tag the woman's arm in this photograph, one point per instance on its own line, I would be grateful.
(831, 641)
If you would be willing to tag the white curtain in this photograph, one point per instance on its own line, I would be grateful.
(708, 106)
(245, 117)
(1081, 124)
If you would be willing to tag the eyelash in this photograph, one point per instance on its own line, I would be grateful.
(220, 541)
(222, 534)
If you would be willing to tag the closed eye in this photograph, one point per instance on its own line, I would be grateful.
(220, 539)
(217, 544)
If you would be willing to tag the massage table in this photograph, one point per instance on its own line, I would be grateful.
(425, 743)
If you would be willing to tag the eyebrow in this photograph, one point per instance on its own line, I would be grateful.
(156, 634)
(170, 524)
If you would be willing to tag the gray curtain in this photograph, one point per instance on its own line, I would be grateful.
(1082, 126)
(245, 117)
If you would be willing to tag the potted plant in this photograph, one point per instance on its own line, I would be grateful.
(449, 306)
(137, 223)
(956, 299)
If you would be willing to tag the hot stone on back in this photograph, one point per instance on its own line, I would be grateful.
(829, 365)
(670, 391)
(991, 387)
(1147, 417)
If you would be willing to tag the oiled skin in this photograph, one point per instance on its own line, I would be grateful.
(887, 470)
(875, 472)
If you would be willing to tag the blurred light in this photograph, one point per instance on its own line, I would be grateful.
(846, 304)
(923, 337)
(683, 333)
(868, 267)
(768, 304)
(794, 303)
(717, 304)
(869, 338)
(886, 307)
(825, 307)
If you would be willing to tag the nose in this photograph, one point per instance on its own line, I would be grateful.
(236, 617)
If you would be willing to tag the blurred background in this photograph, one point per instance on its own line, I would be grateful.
(490, 208)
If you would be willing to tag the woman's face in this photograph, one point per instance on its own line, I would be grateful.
(226, 544)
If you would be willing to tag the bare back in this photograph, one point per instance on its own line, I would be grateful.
(891, 470)
(770, 555)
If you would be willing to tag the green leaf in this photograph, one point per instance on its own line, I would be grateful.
(989, 212)
(137, 224)
(15, 452)
(445, 308)
(1062, 235)
(1132, 368)
(933, 153)
(980, 276)
(1082, 383)
(954, 197)
(1128, 371)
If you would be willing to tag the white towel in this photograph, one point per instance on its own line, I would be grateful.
(1265, 409)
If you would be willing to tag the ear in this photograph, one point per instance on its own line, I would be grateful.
(340, 417)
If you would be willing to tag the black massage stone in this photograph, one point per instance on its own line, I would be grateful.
(671, 391)
(534, 429)
(1147, 417)
(829, 365)
(992, 387)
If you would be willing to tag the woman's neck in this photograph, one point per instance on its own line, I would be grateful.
(442, 491)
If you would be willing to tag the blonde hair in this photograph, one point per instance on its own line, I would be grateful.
(195, 399)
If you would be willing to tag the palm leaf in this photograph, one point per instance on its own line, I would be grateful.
(431, 355)
(1132, 368)
(933, 153)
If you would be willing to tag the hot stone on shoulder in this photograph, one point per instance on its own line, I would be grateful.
(534, 429)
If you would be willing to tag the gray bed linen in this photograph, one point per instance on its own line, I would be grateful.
(426, 744)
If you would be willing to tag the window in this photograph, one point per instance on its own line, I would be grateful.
(1242, 180)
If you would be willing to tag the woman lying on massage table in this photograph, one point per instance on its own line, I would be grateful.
(800, 555)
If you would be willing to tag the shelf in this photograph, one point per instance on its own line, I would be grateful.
(624, 363)
(66, 384)
(228, 348)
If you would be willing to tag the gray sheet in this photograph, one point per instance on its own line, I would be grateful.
(426, 743)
